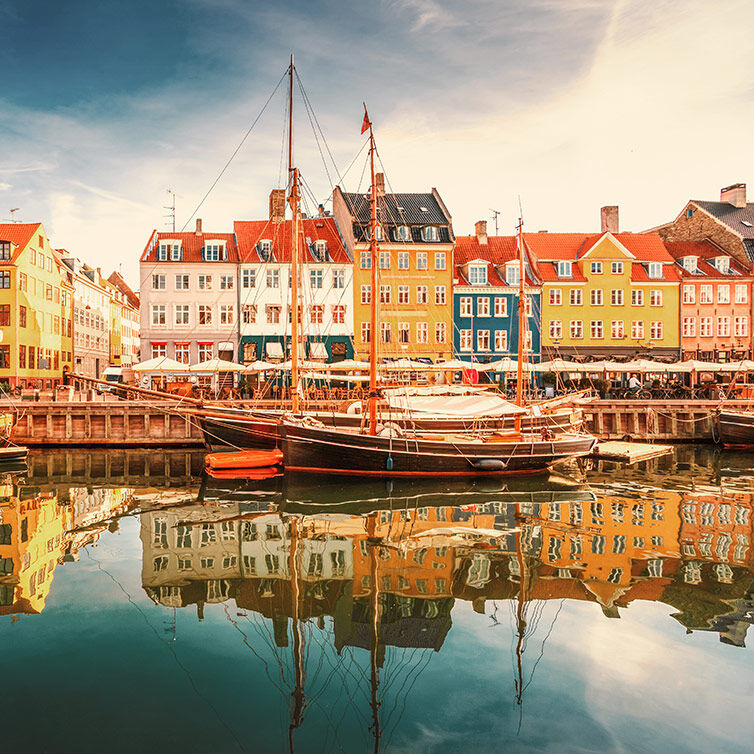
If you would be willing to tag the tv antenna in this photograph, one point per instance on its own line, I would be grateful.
(13, 214)
(171, 207)
(495, 215)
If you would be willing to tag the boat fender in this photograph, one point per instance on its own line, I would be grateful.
(389, 463)
(490, 464)
(354, 408)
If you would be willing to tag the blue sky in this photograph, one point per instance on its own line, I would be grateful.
(570, 104)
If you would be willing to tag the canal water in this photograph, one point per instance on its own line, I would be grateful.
(146, 608)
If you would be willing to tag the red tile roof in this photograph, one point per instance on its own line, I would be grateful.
(548, 273)
(553, 246)
(192, 244)
(669, 272)
(497, 251)
(646, 247)
(704, 250)
(19, 234)
(250, 232)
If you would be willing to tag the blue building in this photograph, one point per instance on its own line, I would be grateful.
(485, 299)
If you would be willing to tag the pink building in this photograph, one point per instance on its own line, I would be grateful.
(716, 302)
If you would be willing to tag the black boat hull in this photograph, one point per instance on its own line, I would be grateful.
(736, 429)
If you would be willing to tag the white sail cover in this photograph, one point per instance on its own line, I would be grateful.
(479, 406)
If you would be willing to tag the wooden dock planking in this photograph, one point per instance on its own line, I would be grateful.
(629, 452)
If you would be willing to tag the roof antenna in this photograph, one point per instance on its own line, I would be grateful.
(171, 216)
(13, 214)
(495, 214)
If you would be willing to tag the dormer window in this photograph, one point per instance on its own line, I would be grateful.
(5, 251)
(368, 233)
(512, 274)
(430, 233)
(320, 250)
(689, 264)
(168, 249)
(565, 269)
(477, 274)
(722, 264)
(402, 233)
(654, 270)
(213, 251)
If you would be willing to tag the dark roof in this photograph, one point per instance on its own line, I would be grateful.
(398, 209)
(117, 280)
(733, 217)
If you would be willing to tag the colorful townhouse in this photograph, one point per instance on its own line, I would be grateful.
(414, 275)
(129, 321)
(716, 302)
(485, 299)
(325, 287)
(34, 302)
(189, 296)
(607, 296)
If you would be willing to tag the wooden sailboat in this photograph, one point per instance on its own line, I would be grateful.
(392, 451)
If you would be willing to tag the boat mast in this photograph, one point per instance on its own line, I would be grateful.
(299, 699)
(294, 199)
(373, 298)
(374, 666)
(521, 321)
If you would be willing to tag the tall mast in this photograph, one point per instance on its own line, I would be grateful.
(521, 321)
(373, 299)
(294, 200)
(374, 664)
(299, 699)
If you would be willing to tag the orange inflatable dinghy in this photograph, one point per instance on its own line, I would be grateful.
(244, 459)
(268, 472)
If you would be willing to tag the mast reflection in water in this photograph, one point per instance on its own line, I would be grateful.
(360, 616)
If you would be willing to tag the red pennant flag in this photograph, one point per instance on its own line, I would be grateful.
(365, 124)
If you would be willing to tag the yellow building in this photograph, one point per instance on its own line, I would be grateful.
(116, 321)
(34, 302)
(608, 295)
(414, 273)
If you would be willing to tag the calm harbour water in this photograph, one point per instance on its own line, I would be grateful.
(146, 608)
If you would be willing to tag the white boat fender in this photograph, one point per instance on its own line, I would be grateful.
(490, 464)
(354, 408)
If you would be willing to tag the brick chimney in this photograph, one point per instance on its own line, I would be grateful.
(480, 228)
(277, 205)
(379, 182)
(198, 226)
(735, 195)
(609, 219)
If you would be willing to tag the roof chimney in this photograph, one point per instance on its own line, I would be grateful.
(379, 182)
(198, 226)
(277, 205)
(735, 195)
(609, 219)
(480, 228)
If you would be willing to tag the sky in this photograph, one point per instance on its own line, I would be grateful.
(555, 106)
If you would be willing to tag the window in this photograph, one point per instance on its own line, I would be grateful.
(316, 314)
(226, 282)
(158, 314)
(248, 278)
(5, 315)
(688, 327)
(429, 233)
(205, 314)
(316, 278)
(689, 294)
(741, 327)
(22, 357)
(478, 274)
(616, 297)
(339, 314)
(402, 260)
(158, 350)
(742, 293)
(512, 275)
(556, 329)
(211, 252)
(366, 294)
(5, 251)
(421, 260)
(483, 307)
(421, 294)
(249, 313)
(705, 294)
(501, 306)
(181, 282)
(4, 357)
(565, 269)
(176, 254)
(205, 351)
(596, 268)
(577, 329)
(365, 260)
(403, 332)
(483, 340)
(158, 282)
(655, 330)
(440, 260)
(705, 327)
(501, 340)
(402, 233)
(385, 333)
(577, 297)
(655, 298)
(723, 294)
(182, 314)
(403, 294)
(338, 279)
(385, 294)
(654, 270)
(596, 329)
(48, 292)
(384, 260)
(440, 332)
(556, 297)
(723, 327)
(617, 331)
(227, 314)
(22, 281)
(273, 278)
(637, 330)
(205, 282)
(440, 295)
(182, 354)
(637, 297)
(464, 306)
(596, 297)
(616, 268)
(422, 332)
(722, 264)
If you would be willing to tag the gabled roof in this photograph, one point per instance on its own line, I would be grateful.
(117, 280)
(19, 234)
(497, 251)
(398, 209)
(734, 217)
(192, 244)
(704, 251)
(645, 247)
(250, 232)
(548, 273)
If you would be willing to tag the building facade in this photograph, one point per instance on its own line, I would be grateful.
(189, 296)
(414, 275)
(325, 287)
(129, 321)
(716, 302)
(485, 299)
